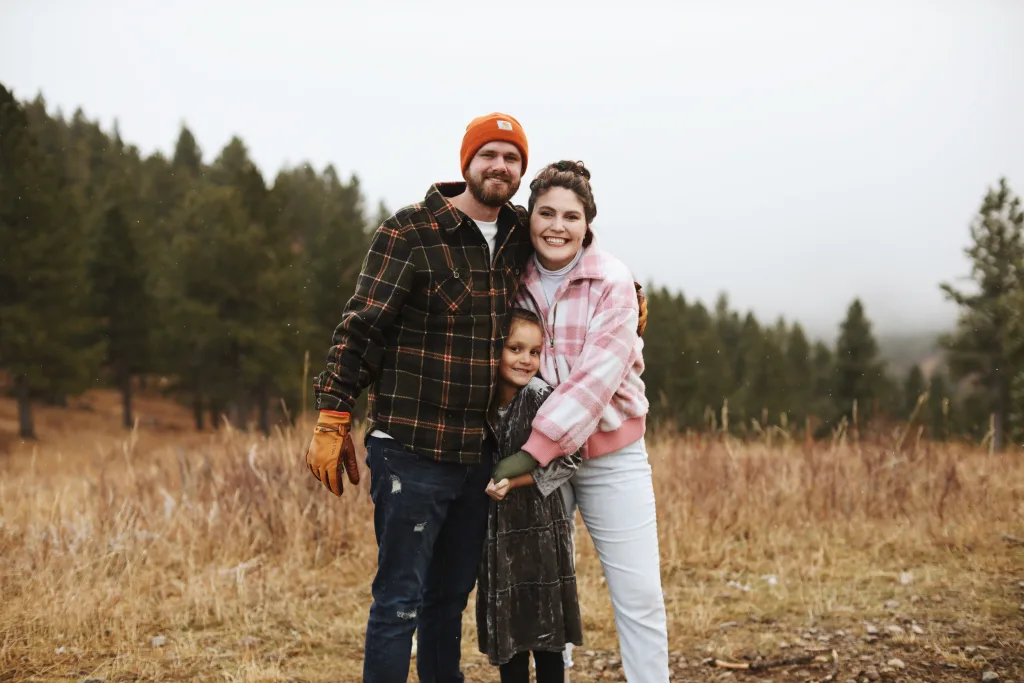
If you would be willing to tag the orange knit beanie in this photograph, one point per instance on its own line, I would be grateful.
(494, 126)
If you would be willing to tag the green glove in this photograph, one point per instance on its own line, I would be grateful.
(514, 465)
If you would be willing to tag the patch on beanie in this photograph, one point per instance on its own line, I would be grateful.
(504, 125)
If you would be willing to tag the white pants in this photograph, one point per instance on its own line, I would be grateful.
(615, 496)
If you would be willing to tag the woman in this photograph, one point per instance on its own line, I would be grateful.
(593, 359)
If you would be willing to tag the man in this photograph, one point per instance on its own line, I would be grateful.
(424, 332)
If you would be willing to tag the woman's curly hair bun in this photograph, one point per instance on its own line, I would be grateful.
(575, 167)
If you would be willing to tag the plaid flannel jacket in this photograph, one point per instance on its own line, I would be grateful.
(426, 325)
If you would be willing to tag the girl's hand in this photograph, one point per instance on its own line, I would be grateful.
(498, 491)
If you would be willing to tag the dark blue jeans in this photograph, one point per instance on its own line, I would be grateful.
(430, 519)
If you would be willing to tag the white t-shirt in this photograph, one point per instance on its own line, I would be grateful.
(490, 232)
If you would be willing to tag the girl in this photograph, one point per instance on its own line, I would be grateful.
(526, 596)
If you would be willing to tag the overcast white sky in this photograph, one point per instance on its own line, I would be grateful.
(794, 153)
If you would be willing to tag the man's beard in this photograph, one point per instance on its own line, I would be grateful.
(494, 197)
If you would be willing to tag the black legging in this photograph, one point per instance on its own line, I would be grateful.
(517, 669)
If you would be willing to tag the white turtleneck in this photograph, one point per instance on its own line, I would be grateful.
(551, 279)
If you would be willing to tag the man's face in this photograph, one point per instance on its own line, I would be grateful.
(494, 173)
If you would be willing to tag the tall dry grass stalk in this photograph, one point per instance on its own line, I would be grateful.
(226, 559)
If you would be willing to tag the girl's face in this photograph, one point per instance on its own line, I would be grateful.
(557, 227)
(520, 359)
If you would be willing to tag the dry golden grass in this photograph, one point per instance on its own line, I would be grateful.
(175, 556)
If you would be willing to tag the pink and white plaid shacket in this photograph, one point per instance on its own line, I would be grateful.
(592, 357)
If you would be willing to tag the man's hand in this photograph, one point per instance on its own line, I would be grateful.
(641, 299)
(500, 490)
(331, 450)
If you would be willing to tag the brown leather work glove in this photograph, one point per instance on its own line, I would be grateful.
(642, 300)
(331, 450)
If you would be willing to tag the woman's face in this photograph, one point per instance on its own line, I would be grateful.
(557, 227)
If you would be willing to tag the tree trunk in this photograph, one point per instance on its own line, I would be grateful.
(239, 411)
(125, 381)
(197, 410)
(216, 414)
(26, 426)
(54, 398)
(233, 412)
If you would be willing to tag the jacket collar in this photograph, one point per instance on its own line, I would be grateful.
(590, 267)
(449, 218)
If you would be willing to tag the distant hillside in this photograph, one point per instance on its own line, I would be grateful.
(902, 350)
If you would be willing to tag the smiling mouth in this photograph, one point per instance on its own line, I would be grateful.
(556, 241)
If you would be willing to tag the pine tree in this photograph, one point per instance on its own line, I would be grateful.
(166, 186)
(740, 340)
(775, 373)
(712, 374)
(667, 346)
(271, 338)
(108, 182)
(188, 158)
(730, 328)
(800, 372)
(202, 296)
(987, 343)
(823, 409)
(44, 323)
(325, 218)
(123, 303)
(858, 372)
(1015, 337)
(233, 168)
(761, 372)
(339, 248)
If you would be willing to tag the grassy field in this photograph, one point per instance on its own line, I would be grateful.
(171, 555)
